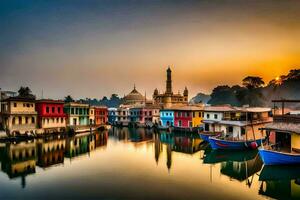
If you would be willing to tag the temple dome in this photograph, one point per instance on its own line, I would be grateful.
(134, 97)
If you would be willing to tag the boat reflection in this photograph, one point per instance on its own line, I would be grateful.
(280, 182)
(238, 165)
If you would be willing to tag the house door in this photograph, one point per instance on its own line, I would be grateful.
(74, 121)
(206, 127)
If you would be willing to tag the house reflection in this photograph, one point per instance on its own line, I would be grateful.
(19, 160)
(280, 182)
(174, 142)
(140, 135)
(101, 139)
(187, 144)
(157, 146)
(84, 143)
(121, 134)
(50, 152)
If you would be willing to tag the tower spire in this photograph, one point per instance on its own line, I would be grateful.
(169, 81)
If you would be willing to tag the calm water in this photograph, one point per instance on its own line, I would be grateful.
(138, 164)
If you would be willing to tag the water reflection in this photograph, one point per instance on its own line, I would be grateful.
(179, 159)
(19, 160)
(280, 182)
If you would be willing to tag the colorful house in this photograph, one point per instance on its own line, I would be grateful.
(188, 116)
(51, 116)
(112, 115)
(92, 115)
(101, 115)
(19, 115)
(236, 122)
(122, 116)
(166, 117)
(77, 114)
(143, 115)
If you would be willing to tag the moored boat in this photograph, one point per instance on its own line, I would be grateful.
(283, 146)
(205, 135)
(271, 157)
(217, 143)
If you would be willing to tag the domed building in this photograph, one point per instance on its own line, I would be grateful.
(134, 97)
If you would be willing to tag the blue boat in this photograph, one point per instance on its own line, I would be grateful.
(271, 157)
(217, 143)
(205, 135)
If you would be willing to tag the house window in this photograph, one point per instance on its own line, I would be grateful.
(207, 116)
(47, 109)
(58, 109)
(15, 104)
(72, 111)
(230, 129)
(62, 120)
(26, 120)
(28, 105)
(243, 131)
(53, 109)
(215, 116)
(33, 120)
(20, 120)
(13, 120)
(188, 114)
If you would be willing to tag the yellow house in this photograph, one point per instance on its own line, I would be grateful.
(19, 115)
(197, 118)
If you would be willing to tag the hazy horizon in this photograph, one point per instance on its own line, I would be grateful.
(96, 48)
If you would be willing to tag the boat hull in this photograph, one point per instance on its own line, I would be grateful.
(278, 158)
(205, 136)
(216, 143)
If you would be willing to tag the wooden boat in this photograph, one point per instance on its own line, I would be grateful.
(205, 135)
(218, 143)
(271, 157)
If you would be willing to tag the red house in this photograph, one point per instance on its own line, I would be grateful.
(183, 118)
(51, 116)
(101, 115)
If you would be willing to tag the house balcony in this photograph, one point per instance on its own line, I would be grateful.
(287, 118)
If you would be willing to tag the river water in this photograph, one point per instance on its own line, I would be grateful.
(126, 163)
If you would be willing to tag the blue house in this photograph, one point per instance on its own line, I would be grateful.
(112, 115)
(166, 117)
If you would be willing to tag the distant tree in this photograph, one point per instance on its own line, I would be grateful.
(114, 97)
(69, 99)
(25, 92)
(224, 95)
(294, 74)
(252, 82)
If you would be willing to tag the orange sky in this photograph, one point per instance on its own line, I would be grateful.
(98, 48)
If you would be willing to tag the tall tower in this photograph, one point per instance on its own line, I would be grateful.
(169, 82)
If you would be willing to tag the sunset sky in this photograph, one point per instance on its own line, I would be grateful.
(92, 48)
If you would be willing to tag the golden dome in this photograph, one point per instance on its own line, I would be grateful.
(134, 97)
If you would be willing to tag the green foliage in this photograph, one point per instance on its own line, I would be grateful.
(253, 82)
(69, 99)
(25, 92)
(254, 93)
